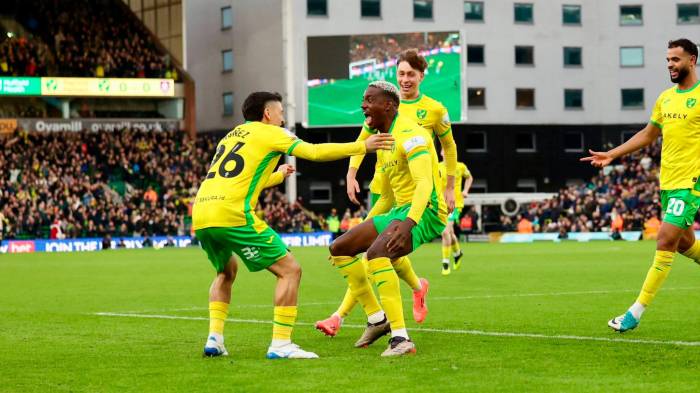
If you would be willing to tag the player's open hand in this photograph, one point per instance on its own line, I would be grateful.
(286, 169)
(598, 158)
(376, 142)
(353, 188)
(400, 239)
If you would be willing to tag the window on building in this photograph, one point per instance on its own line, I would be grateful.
(526, 185)
(525, 55)
(632, 98)
(688, 13)
(475, 54)
(476, 142)
(423, 9)
(573, 142)
(228, 104)
(476, 97)
(321, 192)
(523, 12)
(226, 18)
(473, 10)
(371, 8)
(573, 56)
(317, 7)
(571, 14)
(631, 15)
(525, 142)
(573, 98)
(632, 56)
(524, 98)
(227, 60)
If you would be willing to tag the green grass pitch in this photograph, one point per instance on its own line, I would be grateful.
(515, 318)
(338, 103)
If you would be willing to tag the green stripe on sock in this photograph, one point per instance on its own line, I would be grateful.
(383, 270)
(349, 263)
(282, 324)
(379, 284)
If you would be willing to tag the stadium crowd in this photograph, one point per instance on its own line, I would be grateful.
(93, 184)
(126, 183)
(623, 196)
(65, 40)
(131, 183)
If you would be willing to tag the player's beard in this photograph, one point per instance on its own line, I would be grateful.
(682, 74)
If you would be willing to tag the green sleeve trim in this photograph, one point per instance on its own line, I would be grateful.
(445, 133)
(652, 122)
(420, 153)
(291, 148)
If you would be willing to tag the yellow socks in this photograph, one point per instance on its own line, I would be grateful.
(347, 304)
(283, 324)
(694, 252)
(353, 270)
(390, 293)
(455, 247)
(218, 311)
(404, 269)
(656, 276)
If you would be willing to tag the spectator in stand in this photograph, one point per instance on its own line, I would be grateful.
(333, 223)
(355, 220)
(345, 222)
(150, 196)
(651, 227)
(524, 225)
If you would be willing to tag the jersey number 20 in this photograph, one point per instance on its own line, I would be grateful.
(231, 156)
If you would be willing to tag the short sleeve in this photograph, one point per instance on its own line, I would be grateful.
(657, 117)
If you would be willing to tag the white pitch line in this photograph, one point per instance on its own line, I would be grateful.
(430, 299)
(429, 330)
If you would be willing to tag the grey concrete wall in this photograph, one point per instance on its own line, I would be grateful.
(256, 39)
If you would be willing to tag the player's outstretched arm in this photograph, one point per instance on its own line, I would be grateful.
(337, 151)
(643, 138)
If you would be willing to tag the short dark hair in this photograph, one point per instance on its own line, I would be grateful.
(414, 59)
(687, 45)
(254, 105)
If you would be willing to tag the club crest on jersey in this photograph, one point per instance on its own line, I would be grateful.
(421, 113)
(691, 102)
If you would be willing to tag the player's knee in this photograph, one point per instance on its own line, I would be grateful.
(340, 247)
(377, 251)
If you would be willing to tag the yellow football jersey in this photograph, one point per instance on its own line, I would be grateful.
(410, 141)
(244, 160)
(462, 173)
(429, 114)
(677, 113)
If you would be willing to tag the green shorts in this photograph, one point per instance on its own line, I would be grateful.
(454, 216)
(258, 250)
(373, 198)
(680, 206)
(429, 227)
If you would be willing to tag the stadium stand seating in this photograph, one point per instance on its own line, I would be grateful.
(627, 190)
(78, 38)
